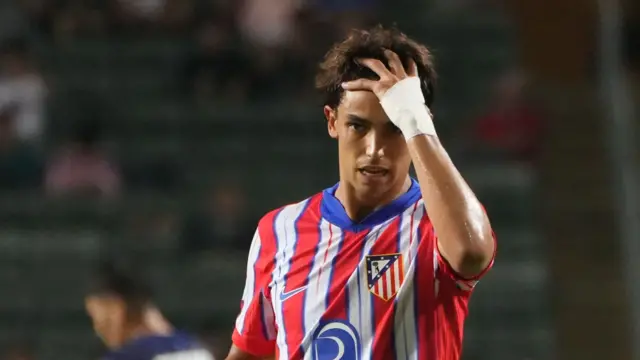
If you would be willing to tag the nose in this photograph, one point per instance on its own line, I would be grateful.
(375, 145)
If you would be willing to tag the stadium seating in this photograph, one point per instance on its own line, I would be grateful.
(47, 246)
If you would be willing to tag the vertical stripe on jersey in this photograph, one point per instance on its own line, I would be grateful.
(250, 284)
(348, 260)
(363, 317)
(382, 316)
(317, 297)
(284, 229)
(405, 329)
(297, 279)
(397, 239)
(351, 256)
(425, 291)
(312, 309)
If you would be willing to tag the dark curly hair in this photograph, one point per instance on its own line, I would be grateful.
(339, 64)
(122, 279)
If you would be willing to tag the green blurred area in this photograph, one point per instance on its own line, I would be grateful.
(278, 150)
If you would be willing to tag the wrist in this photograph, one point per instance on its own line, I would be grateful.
(415, 120)
(404, 104)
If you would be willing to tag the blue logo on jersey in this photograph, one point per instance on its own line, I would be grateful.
(336, 340)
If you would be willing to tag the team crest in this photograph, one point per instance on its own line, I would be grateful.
(384, 275)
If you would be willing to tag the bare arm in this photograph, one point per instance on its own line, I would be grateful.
(465, 238)
(236, 354)
(463, 230)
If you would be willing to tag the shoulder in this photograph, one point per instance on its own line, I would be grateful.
(288, 213)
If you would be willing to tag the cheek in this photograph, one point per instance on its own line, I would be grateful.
(99, 319)
(398, 151)
(349, 144)
(104, 321)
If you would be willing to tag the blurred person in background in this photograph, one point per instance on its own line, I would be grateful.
(20, 163)
(81, 167)
(276, 42)
(126, 319)
(221, 223)
(364, 269)
(137, 15)
(511, 127)
(21, 84)
(269, 24)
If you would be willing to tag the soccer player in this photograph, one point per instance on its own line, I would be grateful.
(130, 325)
(378, 266)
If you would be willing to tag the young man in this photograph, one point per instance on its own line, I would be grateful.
(379, 266)
(130, 325)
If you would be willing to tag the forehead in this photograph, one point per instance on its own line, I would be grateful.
(99, 300)
(363, 104)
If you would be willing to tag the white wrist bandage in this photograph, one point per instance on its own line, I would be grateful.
(404, 104)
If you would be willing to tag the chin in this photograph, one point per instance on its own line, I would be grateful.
(373, 189)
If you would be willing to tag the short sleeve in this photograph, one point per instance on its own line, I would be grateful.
(255, 331)
(444, 271)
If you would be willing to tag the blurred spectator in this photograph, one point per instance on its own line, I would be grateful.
(139, 15)
(511, 127)
(21, 84)
(277, 43)
(20, 165)
(82, 168)
(269, 23)
(222, 222)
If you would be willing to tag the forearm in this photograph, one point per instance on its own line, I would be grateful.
(463, 230)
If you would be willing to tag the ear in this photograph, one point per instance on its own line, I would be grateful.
(332, 117)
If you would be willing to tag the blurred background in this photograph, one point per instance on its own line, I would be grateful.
(163, 129)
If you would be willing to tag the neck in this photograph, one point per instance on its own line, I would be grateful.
(153, 323)
(359, 205)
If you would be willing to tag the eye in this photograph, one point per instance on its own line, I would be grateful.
(356, 126)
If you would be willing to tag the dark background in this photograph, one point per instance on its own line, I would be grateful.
(161, 130)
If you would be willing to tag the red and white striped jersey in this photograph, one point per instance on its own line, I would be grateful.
(321, 286)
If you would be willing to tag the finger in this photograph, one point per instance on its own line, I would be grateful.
(412, 69)
(376, 66)
(359, 85)
(395, 63)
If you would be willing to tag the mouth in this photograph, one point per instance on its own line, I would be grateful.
(373, 171)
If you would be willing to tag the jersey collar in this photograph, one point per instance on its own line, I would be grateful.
(333, 211)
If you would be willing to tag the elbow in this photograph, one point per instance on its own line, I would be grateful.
(473, 264)
(474, 259)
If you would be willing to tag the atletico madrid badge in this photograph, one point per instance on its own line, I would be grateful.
(385, 275)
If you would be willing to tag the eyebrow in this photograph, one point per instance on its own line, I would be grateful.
(356, 118)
